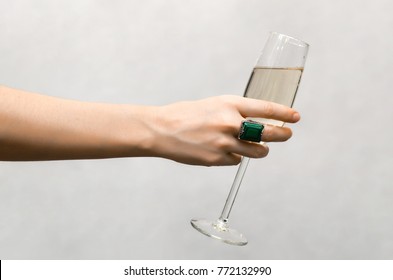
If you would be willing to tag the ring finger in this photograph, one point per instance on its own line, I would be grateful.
(273, 133)
(270, 133)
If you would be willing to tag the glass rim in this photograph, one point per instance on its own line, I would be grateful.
(290, 37)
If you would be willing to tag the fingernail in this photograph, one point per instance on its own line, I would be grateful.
(296, 117)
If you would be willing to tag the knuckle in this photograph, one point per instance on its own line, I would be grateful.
(210, 161)
(269, 109)
(227, 99)
(224, 159)
(227, 124)
(214, 160)
(267, 134)
(223, 143)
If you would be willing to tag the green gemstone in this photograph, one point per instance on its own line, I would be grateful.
(251, 131)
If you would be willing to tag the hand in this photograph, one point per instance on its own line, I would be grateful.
(204, 132)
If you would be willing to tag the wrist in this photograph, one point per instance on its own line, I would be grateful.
(138, 135)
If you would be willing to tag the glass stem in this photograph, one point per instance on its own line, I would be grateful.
(234, 189)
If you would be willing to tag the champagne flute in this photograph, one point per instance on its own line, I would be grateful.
(275, 78)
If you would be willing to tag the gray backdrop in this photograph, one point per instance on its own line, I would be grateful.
(326, 194)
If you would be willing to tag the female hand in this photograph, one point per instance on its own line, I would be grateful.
(204, 132)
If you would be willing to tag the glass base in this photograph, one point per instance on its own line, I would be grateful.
(219, 230)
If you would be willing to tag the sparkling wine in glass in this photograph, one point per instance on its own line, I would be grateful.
(275, 78)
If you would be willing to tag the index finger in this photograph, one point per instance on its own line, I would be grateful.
(256, 108)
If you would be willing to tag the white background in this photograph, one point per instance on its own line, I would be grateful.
(326, 194)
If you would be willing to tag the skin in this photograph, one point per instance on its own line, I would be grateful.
(204, 132)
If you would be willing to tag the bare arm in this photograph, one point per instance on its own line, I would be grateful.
(39, 127)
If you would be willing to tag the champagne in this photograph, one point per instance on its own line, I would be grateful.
(276, 79)
(277, 85)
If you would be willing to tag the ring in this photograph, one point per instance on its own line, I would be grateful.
(251, 131)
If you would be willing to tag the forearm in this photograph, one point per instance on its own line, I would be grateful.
(38, 127)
